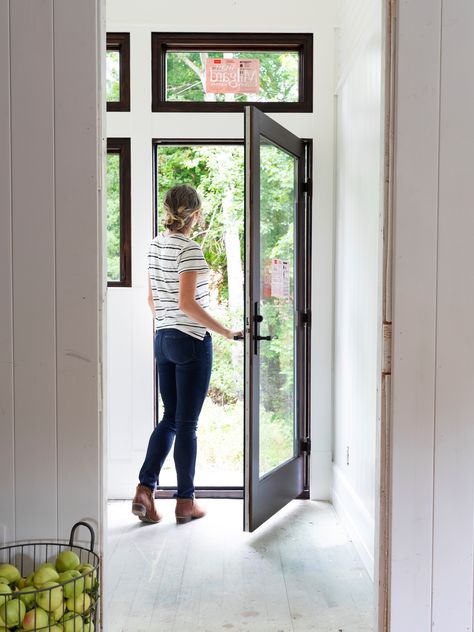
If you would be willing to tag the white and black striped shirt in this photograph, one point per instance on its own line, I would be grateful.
(169, 255)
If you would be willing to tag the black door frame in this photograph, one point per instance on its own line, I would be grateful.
(305, 275)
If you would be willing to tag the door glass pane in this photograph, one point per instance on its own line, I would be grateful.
(217, 171)
(112, 71)
(278, 194)
(234, 76)
(113, 216)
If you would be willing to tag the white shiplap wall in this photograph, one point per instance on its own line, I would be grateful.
(432, 530)
(50, 273)
(359, 204)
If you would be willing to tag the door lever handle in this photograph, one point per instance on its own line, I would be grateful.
(265, 337)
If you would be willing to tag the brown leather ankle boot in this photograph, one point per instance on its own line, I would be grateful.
(187, 509)
(143, 505)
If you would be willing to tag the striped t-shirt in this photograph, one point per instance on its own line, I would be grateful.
(168, 257)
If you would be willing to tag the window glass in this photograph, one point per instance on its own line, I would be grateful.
(113, 75)
(113, 216)
(239, 76)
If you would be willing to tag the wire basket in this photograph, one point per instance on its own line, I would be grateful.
(49, 586)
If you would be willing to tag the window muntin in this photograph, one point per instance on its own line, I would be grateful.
(119, 272)
(179, 71)
(118, 72)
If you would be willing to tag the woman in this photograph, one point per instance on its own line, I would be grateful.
(178, 296)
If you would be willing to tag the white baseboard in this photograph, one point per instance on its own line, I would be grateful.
(356, 519)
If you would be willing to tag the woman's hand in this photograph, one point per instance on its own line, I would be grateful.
(234, 335)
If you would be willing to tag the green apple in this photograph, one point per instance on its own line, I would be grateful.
(29, 580)
(5, 593)
(67, 561)
(72, 622)
(4, 580)
(27, 595)
(10, 572)
(72, 588)
(45, 565)
(57, 627)
(35, 618)
(50, 597)
(88, 626)
(90, 576)
(12, 612)
(4, 629)
(43, 575)
(55, 615)
(21, 583)
(80, 604)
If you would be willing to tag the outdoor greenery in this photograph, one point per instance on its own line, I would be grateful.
(218, 173)
(113, 216)
(112, 75)
(186, 76)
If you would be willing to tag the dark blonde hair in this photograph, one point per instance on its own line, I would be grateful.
(180, 204)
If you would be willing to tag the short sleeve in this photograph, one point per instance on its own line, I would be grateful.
(191, 259)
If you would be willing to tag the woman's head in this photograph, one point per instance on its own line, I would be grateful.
(182, 204)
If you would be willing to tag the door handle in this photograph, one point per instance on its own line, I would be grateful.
(265, 337)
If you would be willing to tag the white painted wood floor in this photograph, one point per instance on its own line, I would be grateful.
(297, 572)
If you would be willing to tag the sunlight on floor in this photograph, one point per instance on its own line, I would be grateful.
(297, 572)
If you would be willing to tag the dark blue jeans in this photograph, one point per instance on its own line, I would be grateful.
(184, 370)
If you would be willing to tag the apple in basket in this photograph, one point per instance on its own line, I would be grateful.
(12, 612)
(5, 593)
(72, 622)
(72, 588)
(10, 572)
(55, 615)
(51, 598)
(35, 618)
(43, 575)
(80, 604)
(27, 596)
(67, 561)
(90, 576)
(88, 626)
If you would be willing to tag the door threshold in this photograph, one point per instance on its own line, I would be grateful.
(204, 492)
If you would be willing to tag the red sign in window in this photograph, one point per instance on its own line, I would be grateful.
(233, 75)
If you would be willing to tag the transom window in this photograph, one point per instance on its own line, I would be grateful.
(225, 71)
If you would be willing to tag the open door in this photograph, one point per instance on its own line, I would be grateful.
(277, 317)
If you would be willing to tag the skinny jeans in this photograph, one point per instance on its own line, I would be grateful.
(184, 370)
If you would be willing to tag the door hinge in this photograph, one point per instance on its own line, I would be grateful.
(305, 445)
(306, 318)
(308, 187)
(387, 348)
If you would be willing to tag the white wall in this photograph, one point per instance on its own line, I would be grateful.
(432, 526)
(50, 133)
(129, 322)
(359, 209)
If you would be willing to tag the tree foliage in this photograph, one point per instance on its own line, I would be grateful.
(278, 76)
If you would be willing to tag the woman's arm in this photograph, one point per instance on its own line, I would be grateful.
(150, 298)
(188, 304)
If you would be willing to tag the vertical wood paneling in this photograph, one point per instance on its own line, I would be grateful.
(454, 437)
(78, 275)
(33, 207)
(415, 256)
(7, 474)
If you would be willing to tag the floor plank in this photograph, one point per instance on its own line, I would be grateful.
(297, 572)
